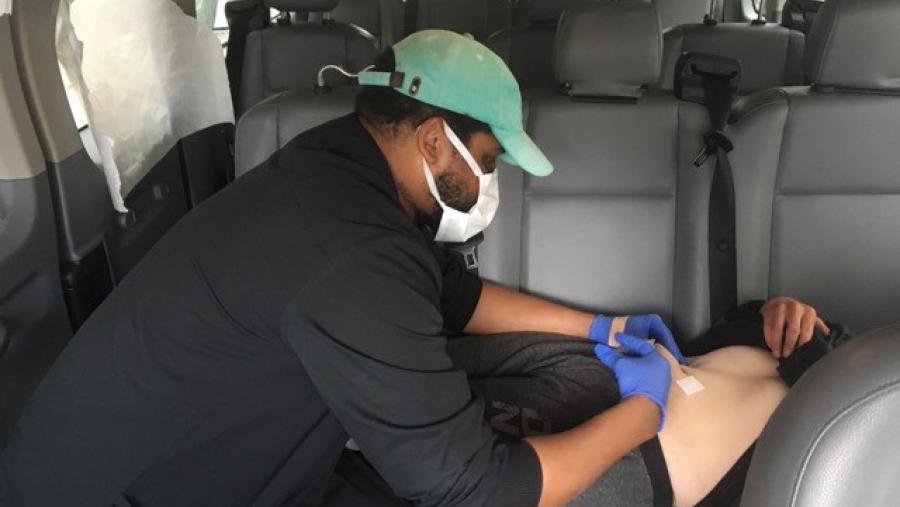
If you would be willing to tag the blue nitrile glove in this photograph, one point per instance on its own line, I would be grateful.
(652, 327)
(599, 330)
(647, 327)
(640, 370)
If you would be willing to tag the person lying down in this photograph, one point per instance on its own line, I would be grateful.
(719, 403)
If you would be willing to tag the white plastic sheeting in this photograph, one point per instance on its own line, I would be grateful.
(147, 75)
(5, 7)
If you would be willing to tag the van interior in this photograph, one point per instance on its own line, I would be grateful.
(115, 123)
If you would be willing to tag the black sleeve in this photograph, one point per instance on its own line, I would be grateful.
(461, 290)
(742, 325)
(369, 333)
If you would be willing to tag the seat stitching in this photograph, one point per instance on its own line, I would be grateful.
(775, 190)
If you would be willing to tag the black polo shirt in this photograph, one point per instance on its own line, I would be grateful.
(295, 309)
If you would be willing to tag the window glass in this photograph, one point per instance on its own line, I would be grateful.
(212, 14)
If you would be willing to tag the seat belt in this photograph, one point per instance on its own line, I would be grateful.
(468, 251)
(410, 17)
(713, 81)
(243, 17)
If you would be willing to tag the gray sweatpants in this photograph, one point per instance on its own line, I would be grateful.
(539, 383)
(532, 383)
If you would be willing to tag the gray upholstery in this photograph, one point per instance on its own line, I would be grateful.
(770, 55)
(817, 180)
(544, 11)
(303, 5)
(833, 441)
(284, 57)
(271, 124)
(528, 49)
(855, 44)
(381, 18)
(608, 49)
(818, 202)
(800, 14)
(679, 12)
(480, 18)
(614, 228)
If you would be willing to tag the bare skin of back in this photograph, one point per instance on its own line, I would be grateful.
(707, 432)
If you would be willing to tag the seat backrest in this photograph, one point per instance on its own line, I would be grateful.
(833, 440)
(280, 58)
(381, 18)
(528, 49)
(269, 125)
(678, 12)
(480, 18)
(603, 231)
(770, 55)
(817, 173)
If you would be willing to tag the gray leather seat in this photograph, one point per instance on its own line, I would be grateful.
(679, 12)
(833, 440)
(381, 18)
(615, 228)
(817, 173)
(528, 49)
(770, 55)
(480, 18)
(279, 58)
(269, 125)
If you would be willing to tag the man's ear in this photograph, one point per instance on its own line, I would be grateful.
(432, 141)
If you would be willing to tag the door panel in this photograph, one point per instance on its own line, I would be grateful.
(34, 326)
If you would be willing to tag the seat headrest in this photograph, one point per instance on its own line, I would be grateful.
(544, 11)
(608, 49)
(855, 44)
(303, 5)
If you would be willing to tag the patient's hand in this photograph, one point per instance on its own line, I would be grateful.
(788, 324)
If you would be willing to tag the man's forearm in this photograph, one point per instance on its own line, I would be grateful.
(502, 310)
(571, 461)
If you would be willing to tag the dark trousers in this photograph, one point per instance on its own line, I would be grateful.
(531, 384)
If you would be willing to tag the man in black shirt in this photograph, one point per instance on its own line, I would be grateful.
(303, 306)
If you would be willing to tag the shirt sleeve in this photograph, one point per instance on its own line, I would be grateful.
(369, 333)
(461, 290)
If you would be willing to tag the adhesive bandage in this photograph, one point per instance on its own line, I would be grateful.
(690, 385)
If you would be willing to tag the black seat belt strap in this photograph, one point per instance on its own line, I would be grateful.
(410, 17)
(243, 17)
(713, 81)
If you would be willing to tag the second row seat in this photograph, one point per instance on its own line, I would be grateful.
(620, 226)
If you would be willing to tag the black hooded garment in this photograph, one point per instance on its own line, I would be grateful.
(297, 308)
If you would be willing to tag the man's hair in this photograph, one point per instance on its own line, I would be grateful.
(386, 109)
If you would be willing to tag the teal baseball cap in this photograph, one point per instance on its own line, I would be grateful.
(456, 73)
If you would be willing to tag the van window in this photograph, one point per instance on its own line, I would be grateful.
(211, 13)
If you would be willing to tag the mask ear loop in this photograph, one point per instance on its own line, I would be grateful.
(320, 79)
(463, 151)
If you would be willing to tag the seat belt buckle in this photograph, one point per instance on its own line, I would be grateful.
(701, 157)
(714, 141)
(470, 258)
(468, 251)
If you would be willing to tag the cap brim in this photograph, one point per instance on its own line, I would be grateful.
(521, 151)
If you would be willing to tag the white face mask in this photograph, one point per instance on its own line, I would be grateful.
(457, 226)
